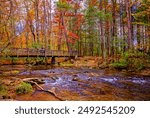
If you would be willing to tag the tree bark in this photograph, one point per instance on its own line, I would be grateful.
(129, 25)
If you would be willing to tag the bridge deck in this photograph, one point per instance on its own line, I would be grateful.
(18, 52)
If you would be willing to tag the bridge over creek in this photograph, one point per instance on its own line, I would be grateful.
(33, 52)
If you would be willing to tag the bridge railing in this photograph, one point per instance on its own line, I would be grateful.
(61, 53)
(40, 52)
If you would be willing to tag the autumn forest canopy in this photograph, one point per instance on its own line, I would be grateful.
(105, 28)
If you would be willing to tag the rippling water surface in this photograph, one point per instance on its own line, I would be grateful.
(86, 84)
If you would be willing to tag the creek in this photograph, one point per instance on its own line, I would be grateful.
(78, 83)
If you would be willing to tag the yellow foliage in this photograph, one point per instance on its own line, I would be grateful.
(31, 14)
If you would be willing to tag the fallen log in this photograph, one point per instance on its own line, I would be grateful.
(37, 80)
(42, 89)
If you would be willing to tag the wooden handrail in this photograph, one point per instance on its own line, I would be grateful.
(40, 52)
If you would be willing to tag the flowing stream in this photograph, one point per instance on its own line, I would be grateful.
(80, 84)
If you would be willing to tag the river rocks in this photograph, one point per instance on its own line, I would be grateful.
(52, 72)
(74, 75)
(54, 78)
(89, 78)
(78, 84)
(75, 79)
(85, 72)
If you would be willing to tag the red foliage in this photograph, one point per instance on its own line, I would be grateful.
(61, 27)
(73, 35)
(71, 41)
(69, 14)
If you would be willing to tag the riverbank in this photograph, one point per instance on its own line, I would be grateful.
(98, 63)
(141, 67)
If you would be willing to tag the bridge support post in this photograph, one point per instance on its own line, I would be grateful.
(53, 61)
(12, 61)
(46, 60)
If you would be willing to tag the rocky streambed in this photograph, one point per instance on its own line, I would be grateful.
(62, 83)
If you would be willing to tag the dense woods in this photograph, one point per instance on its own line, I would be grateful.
(104, 28)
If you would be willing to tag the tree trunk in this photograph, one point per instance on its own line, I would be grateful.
(101, 30)
(37, 19)
(129, 25)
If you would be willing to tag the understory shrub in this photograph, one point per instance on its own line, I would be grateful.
(121, 64)
(137, 64)
(3, 90)
(131, 60)
(24, 88)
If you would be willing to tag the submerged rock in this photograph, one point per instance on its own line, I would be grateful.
(51, 72)
(54, 78)
(75, 75)
(76, 79)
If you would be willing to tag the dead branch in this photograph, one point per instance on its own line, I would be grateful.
(42, 89)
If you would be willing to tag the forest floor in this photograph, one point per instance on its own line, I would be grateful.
(97, 63)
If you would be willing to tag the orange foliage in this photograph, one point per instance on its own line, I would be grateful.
(93, 2)
(77, 6)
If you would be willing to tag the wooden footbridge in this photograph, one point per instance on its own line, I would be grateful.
(26, 52)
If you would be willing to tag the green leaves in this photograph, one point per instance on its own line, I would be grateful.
(95, 13)
(119, 65)
(37, 45)
(63, 6)
(142, 14)
(24, 88)
(104, 16)
(3, 90)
